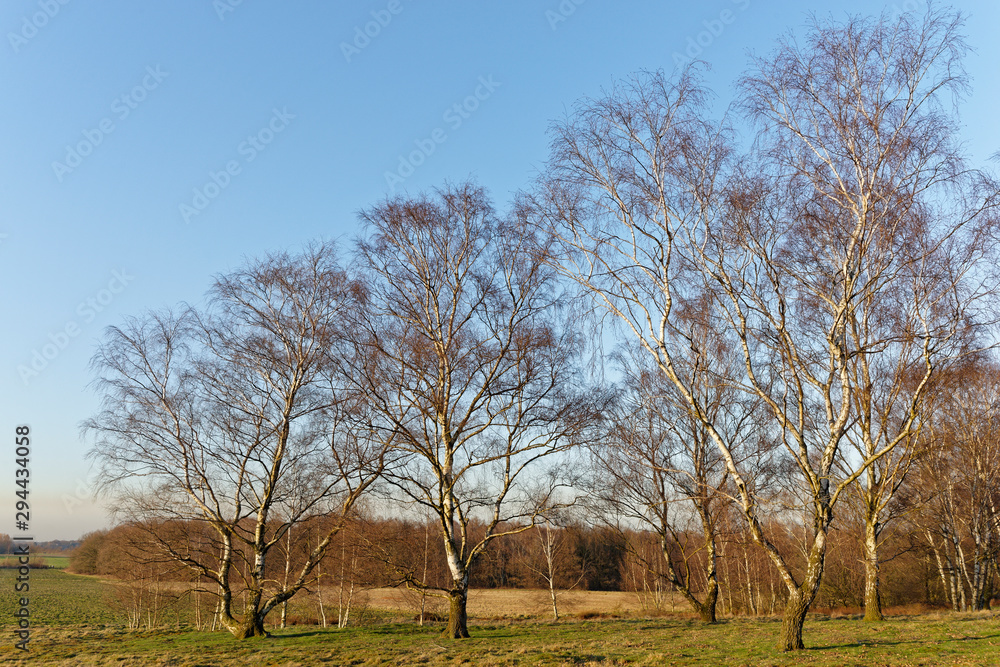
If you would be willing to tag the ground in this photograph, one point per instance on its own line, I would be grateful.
(75, 621)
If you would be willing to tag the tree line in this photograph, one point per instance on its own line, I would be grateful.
(795, 300)
(575, 555)
(7, 545)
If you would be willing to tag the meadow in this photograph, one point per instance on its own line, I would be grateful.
(58, 561)
(75, 622)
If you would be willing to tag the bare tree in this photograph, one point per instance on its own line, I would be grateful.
(854, 237)
(866, 264)
(657, 469)
(883, 413)
(546, 552)
(630, 196)
(237, 419)
(957, 486)
(463, 361)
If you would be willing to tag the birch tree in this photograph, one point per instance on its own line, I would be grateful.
(957, 486)
(657, 468)
(853, 238)
(461, 357)
(219, 416)
(866, 260)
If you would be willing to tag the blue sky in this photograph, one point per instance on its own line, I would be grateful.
(148, 146)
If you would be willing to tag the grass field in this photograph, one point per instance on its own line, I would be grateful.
(60, 562)
(74, 623)
(499, 604)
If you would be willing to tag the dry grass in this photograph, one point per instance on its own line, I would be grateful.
(519, 603)
(73, 625)
(960, 639)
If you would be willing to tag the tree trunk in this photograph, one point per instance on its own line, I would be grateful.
(284, 585)
(707, 609)
(197, 606)
(423, 579)
(346, 618)
(251, 627)
(792, 622)
(801, 597)
(252, 623)
(322, 609)
(319, 592)
(458, 620)
(549, 550)
(749, 607)
(873, 596)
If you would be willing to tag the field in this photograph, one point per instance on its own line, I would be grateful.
(60, 562)
(74, 622)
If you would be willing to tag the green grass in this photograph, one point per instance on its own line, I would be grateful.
(57, 598)
(958, 640)
(74, 622)
(57, 562)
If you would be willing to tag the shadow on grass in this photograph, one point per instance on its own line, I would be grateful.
(879, 643)
(297, 635)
